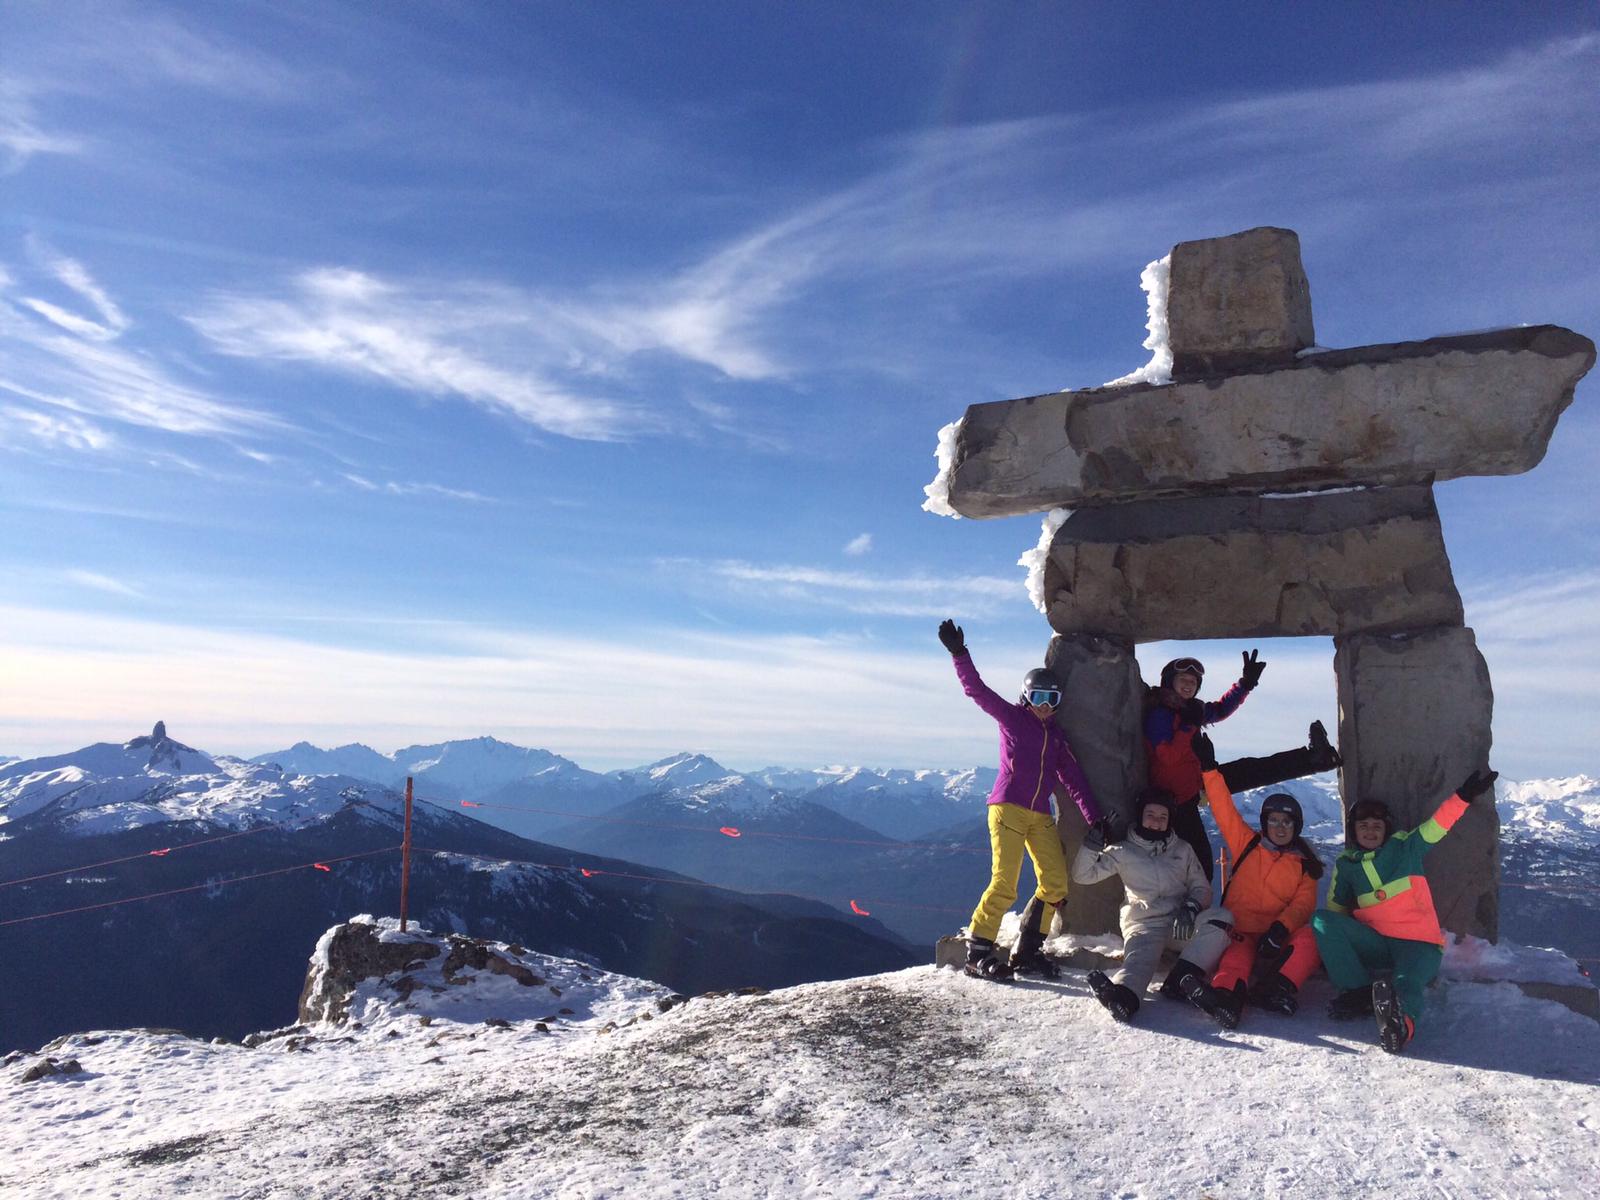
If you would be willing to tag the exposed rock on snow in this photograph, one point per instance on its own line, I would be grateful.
(368, 974)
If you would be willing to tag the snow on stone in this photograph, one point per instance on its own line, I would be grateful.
(1154, 279)
(921, 1083)
(1034, 560)
(938, 492)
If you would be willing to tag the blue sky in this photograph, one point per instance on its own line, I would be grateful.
(571, 372)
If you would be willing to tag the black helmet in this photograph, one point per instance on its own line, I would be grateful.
(1041, 679)
(1147, 797)
(1282, 802)
(1182, 666)
(1368, 810)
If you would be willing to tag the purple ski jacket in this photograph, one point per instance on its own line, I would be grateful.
(1034, 755)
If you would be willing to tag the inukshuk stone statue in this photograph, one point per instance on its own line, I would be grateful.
(1274, 489)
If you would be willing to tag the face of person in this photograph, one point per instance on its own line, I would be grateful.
(1280, 828)
(1155, 816)
(1369, 833)
(1185, 685)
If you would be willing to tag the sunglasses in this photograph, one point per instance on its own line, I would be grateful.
(1045, 696)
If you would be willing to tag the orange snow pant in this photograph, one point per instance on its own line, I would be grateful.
(1240, 956)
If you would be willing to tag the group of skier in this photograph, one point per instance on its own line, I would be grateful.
(1377, 934)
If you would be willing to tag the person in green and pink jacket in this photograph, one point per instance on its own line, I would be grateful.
(1380, 914)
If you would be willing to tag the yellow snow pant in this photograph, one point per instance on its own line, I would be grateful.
(1012, 829)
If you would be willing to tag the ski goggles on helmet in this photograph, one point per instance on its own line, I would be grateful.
(1049, 697)
(1187, 666)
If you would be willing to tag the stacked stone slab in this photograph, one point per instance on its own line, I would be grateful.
(1203, 508)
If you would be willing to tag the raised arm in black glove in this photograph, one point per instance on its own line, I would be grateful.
(1183, 923)
(1251, 675)
(1273, 943)
(1479, 782)
(1108, 829)
(1204, 751)
(950, 634)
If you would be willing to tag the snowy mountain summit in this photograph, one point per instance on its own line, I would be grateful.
(445, 1075)
(155, 778)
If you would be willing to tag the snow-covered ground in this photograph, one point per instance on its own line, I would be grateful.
(920, 1083)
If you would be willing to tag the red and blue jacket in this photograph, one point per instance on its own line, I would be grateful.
(1034, 755)
(1385, 888)
(1172, 764)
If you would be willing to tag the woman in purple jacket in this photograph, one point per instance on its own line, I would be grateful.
(1034, 760)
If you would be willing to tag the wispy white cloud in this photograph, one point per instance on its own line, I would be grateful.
(63, 360)
(53, 429)
(103, 583)
(392, 488)
(858, 545)
(856, 591)
(487, 345)
(20, 134)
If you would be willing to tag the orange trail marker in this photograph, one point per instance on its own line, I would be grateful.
(161, 853)
(470, 804)
(858, 910)
(730, 831)
(587, 874)
(322, 866)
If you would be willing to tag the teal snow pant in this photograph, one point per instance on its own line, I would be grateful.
(1351, 952)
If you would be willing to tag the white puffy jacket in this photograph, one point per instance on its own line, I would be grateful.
(1157, 876)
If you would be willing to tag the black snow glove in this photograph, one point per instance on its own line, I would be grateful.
(954, 640)
(1183, 923)
(1477, 784)
(1251, 675)
(1108, 829)
(1204, 751)
(1274, 942)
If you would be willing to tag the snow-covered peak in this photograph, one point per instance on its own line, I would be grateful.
(148, 780)
(682, 770)
(1564, 811)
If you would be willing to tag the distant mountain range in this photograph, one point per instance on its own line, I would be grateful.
(186, 886)
(866, 856)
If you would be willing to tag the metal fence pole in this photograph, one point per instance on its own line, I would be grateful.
(405, 860)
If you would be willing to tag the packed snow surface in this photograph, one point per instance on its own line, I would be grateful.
(921, 1083)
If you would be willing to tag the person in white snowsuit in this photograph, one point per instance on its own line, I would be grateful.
(1168, 903)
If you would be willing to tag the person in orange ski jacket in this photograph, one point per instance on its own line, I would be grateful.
(1271, 893)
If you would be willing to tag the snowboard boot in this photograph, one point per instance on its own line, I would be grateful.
(1117, 999)
(1228, 1006)
(1351, 1005)
(1276, 994)
(1322, 749)
(1187, 982)
(1395, 1029)
(985, 960)
(1029, 958)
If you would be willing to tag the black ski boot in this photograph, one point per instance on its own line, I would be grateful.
(1029, 958)
(1228, 1007)
(1394, 1027)
(1322, 748)
(1276, 994)
(1187, 982)
(985, 960)
(1351, 1005)
(1117, 999)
